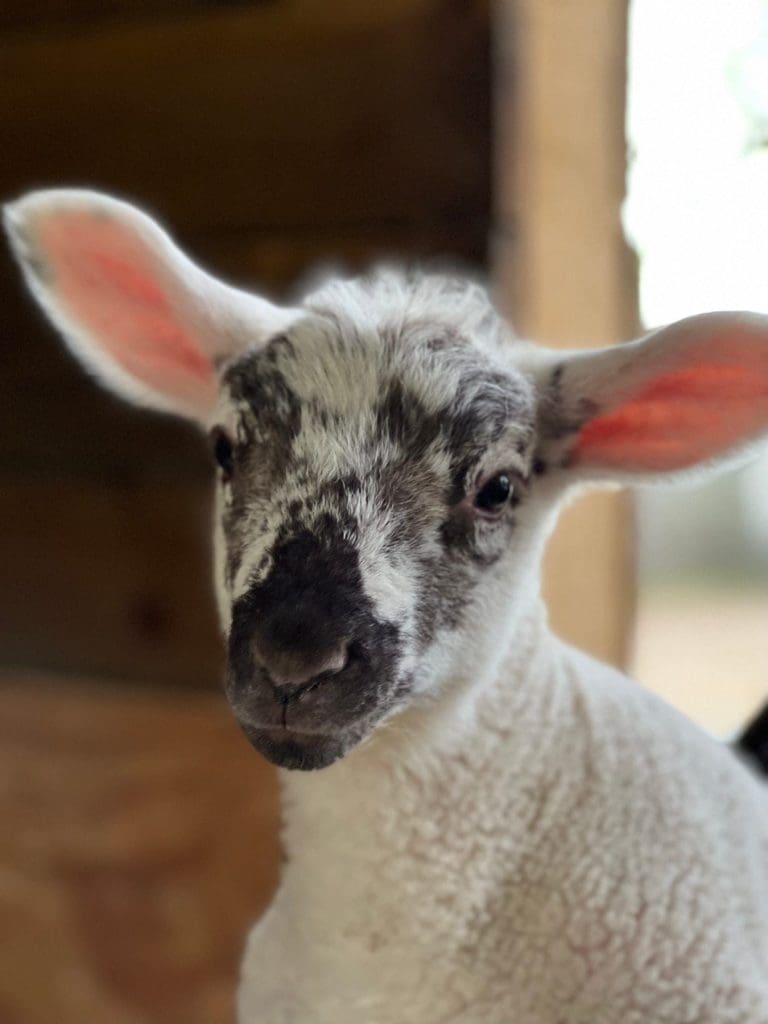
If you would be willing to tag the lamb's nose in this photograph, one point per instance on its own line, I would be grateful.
(292, 670)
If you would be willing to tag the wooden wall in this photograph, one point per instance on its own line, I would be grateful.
(140, 830)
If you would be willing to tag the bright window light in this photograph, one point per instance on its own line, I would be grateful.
(697, 214)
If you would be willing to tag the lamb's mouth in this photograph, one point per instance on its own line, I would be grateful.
(302, 751)
(316, 727)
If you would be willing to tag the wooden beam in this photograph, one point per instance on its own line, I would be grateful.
(562, 266)
(274, 115)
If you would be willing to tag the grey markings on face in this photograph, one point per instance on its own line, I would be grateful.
(409, 417)
(269, 420)
(560, 419)
(365, 431)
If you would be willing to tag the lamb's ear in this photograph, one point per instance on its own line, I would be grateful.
(689, 396)
(133, 308)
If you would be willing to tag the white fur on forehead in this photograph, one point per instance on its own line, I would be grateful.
(390, 297)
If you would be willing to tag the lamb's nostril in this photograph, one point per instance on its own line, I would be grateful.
(292, 671)
(337, 658)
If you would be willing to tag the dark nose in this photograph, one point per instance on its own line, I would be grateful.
(292, 671)
(298, 624)
(294, 650)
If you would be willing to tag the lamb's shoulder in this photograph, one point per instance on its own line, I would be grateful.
(643, 761)
(645, 877)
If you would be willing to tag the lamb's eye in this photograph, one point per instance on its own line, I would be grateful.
(494, 494)
(223, 452)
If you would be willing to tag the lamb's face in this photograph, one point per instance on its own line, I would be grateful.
(368, 483)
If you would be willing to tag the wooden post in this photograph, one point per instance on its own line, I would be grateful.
(562, 267)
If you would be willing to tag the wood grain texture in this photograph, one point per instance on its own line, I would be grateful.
(139, 842)
(109, 581)
(562, 265)
(278, 115)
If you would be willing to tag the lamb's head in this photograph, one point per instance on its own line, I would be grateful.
(371, 458)
(386, 457)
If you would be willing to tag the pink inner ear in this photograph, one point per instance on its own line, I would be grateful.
(683, 417)
(107, 279)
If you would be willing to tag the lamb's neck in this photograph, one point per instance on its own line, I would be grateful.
(378, 812)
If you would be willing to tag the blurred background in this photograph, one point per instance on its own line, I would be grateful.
(697, 126)
(526, 138)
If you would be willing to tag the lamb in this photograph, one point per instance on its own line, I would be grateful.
(504, 831)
